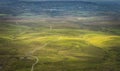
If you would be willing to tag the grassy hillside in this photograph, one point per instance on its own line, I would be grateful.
(65, 47)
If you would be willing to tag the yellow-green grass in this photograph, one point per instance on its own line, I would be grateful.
(66, 50)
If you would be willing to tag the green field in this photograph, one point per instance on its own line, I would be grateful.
(64, 47)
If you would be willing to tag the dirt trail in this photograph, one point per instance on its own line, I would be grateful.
(35, 57)
(33, 65)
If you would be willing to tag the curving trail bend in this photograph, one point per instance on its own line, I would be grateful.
(35, 57)
(33, 65)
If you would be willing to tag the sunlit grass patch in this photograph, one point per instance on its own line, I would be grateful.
(113, 42)
(99, 40)
(69, 48)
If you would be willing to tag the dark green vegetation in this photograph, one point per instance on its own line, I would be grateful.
(69, 47)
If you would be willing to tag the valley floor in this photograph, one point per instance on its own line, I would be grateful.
(58, 48)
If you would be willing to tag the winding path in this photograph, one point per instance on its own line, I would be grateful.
(30, 54)
(35, 57)
(33, 65)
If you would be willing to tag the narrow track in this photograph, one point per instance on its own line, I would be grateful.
(35, 57)
(33, 65)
